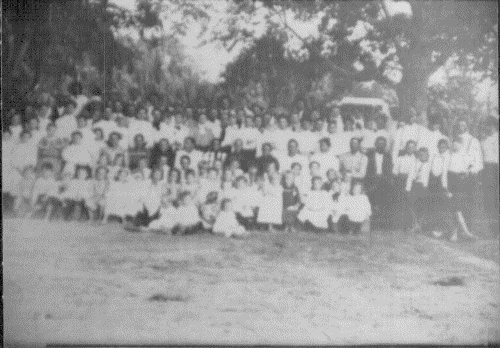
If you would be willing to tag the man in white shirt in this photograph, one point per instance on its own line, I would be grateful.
(354, 162)
(293, 155)
(281, 138)
(232, 132)
(308, 140)
(76, 154)
(107, 124)
(180, 131)
(250, 136)
(431, 139)
(87, 134)
(414, 131)
(490, 171)
(66, 124)
(143, 126)
(370, 134)
(189, 150)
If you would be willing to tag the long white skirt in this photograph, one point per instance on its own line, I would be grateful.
(318, 218)
(122, 205)
(271, 210)
(168, 219)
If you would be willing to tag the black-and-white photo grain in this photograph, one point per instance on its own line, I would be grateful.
(250, 172)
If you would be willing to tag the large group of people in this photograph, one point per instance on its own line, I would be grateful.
(236, 168)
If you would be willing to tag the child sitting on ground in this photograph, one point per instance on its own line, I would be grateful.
(22, 203)
(291, 202)
(76, 195)
(209, 211)
(167, 219)
(317, 207)
(99, 187)
(188, 218)
(45, 194)
(226, 223)
(358, 210)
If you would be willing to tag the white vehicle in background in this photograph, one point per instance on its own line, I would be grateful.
(349, 105)
(362, 103)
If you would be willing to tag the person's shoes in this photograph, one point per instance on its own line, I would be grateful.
(471, 238)
(454, 236)
(437, 234)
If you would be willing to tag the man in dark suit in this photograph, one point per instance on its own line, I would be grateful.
(238, 154)
(378, 181)
(266, 159)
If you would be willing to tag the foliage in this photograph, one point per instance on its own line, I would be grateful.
(413, 46)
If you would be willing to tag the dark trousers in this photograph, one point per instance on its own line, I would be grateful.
(7, 202)
(247, 222)
(378, 189)
(400, 204)
(50, 203)
(345, 225)
(419, 198)
(144, 217)
(490, 189)
(75, 210)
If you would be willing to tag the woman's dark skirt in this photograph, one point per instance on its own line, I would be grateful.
(400, 203)
(458, 184)
(290, 217)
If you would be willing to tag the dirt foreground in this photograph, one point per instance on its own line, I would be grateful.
(76, 283)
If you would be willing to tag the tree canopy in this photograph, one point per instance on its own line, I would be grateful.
(402, 50)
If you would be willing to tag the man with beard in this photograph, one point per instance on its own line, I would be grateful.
(378, 179)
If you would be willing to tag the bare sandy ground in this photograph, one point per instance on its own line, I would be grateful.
(75, 283)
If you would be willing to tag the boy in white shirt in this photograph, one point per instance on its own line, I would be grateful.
(45, 193)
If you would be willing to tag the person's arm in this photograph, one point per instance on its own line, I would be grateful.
(410, 178)
(395, 165)
(35, 193)
(426, 171)
(360, 173)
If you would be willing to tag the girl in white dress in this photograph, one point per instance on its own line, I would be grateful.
(271, 206)
(22, 199)
(172, 186)
(151, 198)
(302, 181)
(318, 206)
(99, 188)
(77, 195)
(358, 210)
(167, 220)
(191, 185)
(121, 200)
(210, 184)
(209, 211)
(226, 223)
(188, 216)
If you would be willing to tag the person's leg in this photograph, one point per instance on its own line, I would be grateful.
(355, 227)
(343, 225)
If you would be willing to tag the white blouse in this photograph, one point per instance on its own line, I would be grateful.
(358, 208)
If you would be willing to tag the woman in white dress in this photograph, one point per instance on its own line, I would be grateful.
(226, 223)
(121, 198)
(318, 206)
(151, 198)
(271, 205)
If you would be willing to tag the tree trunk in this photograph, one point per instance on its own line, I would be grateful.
(412, 90)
